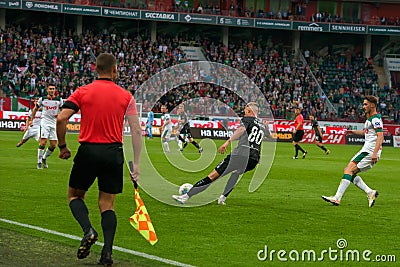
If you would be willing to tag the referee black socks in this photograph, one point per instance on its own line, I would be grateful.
(80, 213)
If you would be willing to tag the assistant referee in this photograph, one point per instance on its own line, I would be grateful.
(103, 106)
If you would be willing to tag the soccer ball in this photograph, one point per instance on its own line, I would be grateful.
(183, 189)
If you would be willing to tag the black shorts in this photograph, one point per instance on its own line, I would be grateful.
(240, 164)
(104, 161)
(318, 138)
(186, 131)
(298, 136)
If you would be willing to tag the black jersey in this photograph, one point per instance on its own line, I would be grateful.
(250, 142)
(314, 125)
(185, 124)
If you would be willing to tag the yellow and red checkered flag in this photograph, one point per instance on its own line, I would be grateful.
(141, 219)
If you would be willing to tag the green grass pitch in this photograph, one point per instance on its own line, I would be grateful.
(286, 213)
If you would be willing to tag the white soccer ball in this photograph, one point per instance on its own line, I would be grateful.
(183, 189)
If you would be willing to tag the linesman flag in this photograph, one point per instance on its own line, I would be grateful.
(141, 219)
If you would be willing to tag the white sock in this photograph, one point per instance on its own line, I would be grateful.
(342, 188)
(166, 146)
(180, 144)
(47, 154)
(40, 155)
(358, 181)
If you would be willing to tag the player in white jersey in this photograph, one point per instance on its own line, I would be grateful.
(166, 128)
(50, 106)
(32, 126)
(367, 157)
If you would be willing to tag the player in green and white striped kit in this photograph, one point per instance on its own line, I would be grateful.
(366, 158)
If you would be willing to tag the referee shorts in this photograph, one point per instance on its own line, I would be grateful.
(104, 161)
(298, 136)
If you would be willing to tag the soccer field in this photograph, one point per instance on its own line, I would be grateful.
(285, 217)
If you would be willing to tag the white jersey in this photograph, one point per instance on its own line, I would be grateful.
(167, 119)
(50, 110)
(372, 126)
(36, 120)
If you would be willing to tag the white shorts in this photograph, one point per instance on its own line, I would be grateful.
(48, 132)
(166, 134)
(32, 132)
(363, 160)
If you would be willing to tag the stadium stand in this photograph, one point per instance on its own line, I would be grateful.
(34, 54)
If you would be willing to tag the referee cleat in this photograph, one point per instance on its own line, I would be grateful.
(331, 200)
(371, 198)
(305, 154)
(87, 241)
(44, 163)
(295, 157)
(106, 259)
(327, 152)
(221, 200)
(181, 199)
(39, 166)
(200, 150)
(20, 144)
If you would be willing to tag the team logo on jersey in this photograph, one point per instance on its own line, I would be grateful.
(53, 108)
(377, 124)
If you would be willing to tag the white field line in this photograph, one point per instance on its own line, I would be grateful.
(129, 251)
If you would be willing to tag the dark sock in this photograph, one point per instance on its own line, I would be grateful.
(109, 225)
(196, 144)
(323, 148)
(200, 186)
(81, 214)
(231, 183)
(297, 151)
(299, 148)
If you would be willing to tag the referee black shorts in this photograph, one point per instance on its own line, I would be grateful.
(298, 136)
(104, 161)
(237, 163)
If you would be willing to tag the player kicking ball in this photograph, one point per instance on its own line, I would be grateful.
(366, 158)
(243, 158)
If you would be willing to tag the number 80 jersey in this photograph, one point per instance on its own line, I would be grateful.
(251, 141)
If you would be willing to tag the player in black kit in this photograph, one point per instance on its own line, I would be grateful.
(318, 134)
(243, 158)
(184, 132)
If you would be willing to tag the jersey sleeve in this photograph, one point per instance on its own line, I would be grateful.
(61, 102)
(377, 124)
(131, 109)
(244, 123)
(40, 102)
(75, 97)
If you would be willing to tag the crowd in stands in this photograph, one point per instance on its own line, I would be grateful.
(32, 56)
